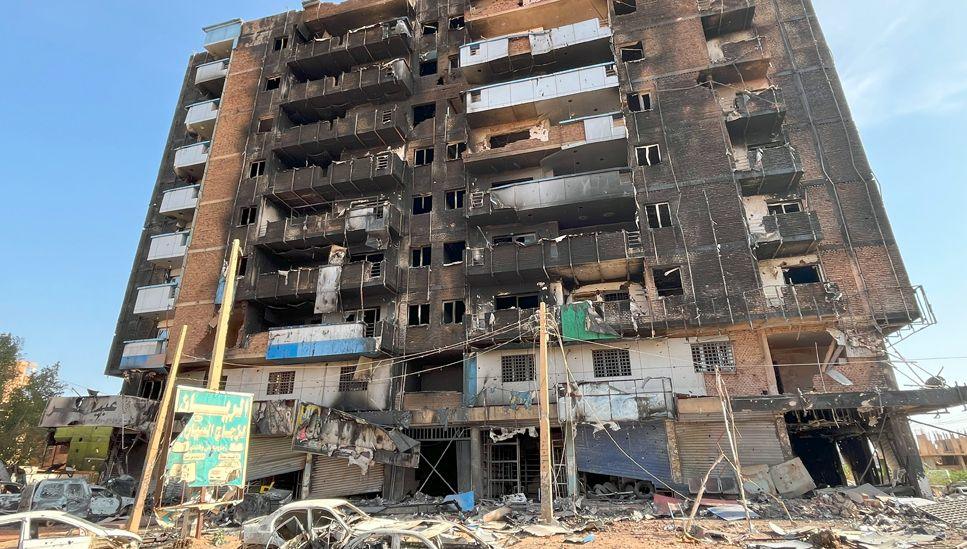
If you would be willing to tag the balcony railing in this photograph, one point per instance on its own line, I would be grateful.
(787, 235)
(379, 127)
(169, 249)
(769, 170)
(607, 194)
(559, 96)
(498, 18)
(221, 38)
(757, 117)
(339, 18)
(144, 354)
(367, 175)
(301, 284)
(180, 202)
(210, 77)
(317, 99)
(375, 224)
(502, 325)
(330, 341)
(585, 257)
(620, 400)
(331, 55)
(155, 299)
(190, 160)
(200, 119)
(569, 46)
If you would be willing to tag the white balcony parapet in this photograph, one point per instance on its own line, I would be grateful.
(190, 160)
(169, 249)
(222, 37)
(200, 118)
(144, 354)
(603, 127)
(156, 298)
(210, 77)
(540, 42)
(555, 96)
(179, 202)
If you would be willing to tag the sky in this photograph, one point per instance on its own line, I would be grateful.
(91, 88)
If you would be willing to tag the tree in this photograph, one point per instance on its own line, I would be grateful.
(21, 440)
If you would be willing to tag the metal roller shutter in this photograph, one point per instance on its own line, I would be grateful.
(268, 456)
(646, 442)
(335, 477)
(699, 445)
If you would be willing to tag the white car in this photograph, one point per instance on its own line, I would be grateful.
(58, 529)
(338, 523)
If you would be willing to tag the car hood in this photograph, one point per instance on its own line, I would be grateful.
(118, 533)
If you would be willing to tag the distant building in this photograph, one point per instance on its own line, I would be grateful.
(25, 369)
(943, 450)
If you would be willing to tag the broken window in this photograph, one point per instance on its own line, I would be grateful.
(281, 383)
(516, 368)
(803, 274)
(369, 317)
(248, 215)
(242, 266)
(420, 257)
(273, 83)
(419, 315)
(256, 168)
(498, 184)
(609, 71)
(422, 204)
(659, 215)
(430, 27)
(422, 157)
(639, 102)
(457, 22)
(611, 362)
(668, 281)
(474, 94)
(716, 355)
(428, 67)
(281, 42)
(455, 150)
(453, 312)
(521, 301)
(347, 381)
(453, 252)
(454, 62)
(648, 155)
(779, 208)
(454, 199)
(423, 112)
(522, 238)
(502, 140)
(632, 52)
(615, 296)
(624, 7)
(265, 125)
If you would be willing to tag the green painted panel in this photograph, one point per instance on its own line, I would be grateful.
(574, 323)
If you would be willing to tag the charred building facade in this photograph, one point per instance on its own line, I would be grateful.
(680, 182)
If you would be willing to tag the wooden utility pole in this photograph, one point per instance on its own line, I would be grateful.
(544, 408)
(154, 440)
(224, 313)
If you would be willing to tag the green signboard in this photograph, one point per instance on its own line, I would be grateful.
(213, 447)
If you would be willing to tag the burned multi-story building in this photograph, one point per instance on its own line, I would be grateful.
(680, 182)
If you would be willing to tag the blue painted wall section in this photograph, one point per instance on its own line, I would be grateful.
(319, 349)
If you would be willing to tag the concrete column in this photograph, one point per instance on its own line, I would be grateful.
(570, 459)
(476, 467)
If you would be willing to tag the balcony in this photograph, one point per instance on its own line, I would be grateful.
(726, 16)
(155, 299)
(301, 284)
(335, 54)
(339, 18)
(735, 59)
(559, 96)
(503, 325)
(787, 235)
(769, 170)
(593, 143)
(358, 226)
(190, 160)
(200, 119)
(179, 202)
(605, 196)
(623, 400)
(144, 354)
(210, 77)
(499, 18)
(168, 250)
(592, 257)
(380, 127)
(329, 341)
(757, 117)
(368, 175)
(221, 38)
(319, 99)
(569, 46)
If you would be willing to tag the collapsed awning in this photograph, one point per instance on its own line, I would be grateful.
(118, 411)
(325, 431)
(908, 402)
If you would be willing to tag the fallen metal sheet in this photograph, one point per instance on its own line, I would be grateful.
(731, 512)
(544, 530)
(786, 544)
